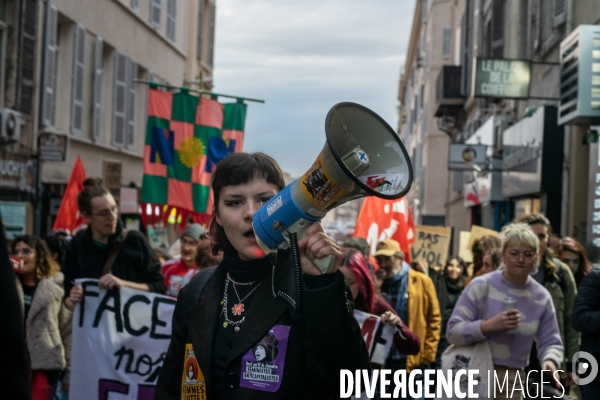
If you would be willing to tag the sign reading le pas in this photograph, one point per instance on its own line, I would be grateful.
(120, 340)
(502, 78)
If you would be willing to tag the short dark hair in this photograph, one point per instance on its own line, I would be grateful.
(237, 169)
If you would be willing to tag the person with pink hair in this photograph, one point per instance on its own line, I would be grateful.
(354, 267)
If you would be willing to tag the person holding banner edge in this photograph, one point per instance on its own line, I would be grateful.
(236, 320)
(134, 263)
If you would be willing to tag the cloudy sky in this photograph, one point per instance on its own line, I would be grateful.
(304, 56)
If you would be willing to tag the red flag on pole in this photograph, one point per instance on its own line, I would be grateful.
(381, 219)
(68, 217)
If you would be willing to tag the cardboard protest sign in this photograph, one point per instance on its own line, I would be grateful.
(432, 243)
(378, 337)
(119, 342)
(477, 232)
(464, 251)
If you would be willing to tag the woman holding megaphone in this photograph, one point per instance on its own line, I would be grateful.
(246, 342)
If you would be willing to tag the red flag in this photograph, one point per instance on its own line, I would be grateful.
(381, 219)
(68, 214)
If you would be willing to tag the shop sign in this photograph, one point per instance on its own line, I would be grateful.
(497, 78)
(52, 146)
(466, 157)
(17, 172)
(593, 234)
(14, 216)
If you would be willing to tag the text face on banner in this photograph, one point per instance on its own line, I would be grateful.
(378, 337)
(119, 342)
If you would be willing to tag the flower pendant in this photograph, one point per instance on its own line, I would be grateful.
(237, 309)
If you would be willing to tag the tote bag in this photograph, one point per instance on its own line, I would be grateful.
(472, 356)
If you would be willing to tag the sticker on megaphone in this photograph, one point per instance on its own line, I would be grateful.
(382, 183)
(318, 186)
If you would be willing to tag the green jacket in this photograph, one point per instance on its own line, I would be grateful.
(563, 304)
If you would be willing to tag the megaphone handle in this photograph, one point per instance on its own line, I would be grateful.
(325, 264)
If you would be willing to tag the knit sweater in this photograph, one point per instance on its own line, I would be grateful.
(538, 321)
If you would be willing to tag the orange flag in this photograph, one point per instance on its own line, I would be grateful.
(68, 217)
(381, 219)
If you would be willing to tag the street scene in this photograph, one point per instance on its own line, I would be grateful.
(326, 199)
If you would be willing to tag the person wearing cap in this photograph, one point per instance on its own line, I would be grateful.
(413, 296)
(179, 271)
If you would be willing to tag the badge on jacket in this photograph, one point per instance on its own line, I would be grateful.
(193, 386)
(262, 365)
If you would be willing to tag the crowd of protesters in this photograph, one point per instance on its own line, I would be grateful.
(556, 290)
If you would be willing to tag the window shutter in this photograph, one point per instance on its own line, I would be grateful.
(77, 80)
(27, 52)
(131, 103)
(97, 96)
(49, 93)
(560, 12)
(200, 25)
(497, 34)
(135, 5)
(424, 11)
(446, 44)
(155, 13)
(119, 99)
(171, 10)
(211, 35)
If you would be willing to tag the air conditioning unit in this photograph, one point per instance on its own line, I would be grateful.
(10, 125)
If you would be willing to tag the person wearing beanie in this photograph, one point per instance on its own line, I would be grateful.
(179, 271)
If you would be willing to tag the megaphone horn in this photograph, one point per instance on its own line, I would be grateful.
(363, 156)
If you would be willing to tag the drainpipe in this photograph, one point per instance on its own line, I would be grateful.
(565, 220)
(39, 190)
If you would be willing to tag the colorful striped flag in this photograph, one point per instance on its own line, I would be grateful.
(186, 137)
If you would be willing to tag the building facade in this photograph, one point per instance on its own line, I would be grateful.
(71, 72)
(534, 163)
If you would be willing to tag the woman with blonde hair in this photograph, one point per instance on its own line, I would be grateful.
(46, 319)
(480, 315)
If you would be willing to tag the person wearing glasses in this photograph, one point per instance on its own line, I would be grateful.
(479, 313)
(47, 321)
(135, 265)
(180, 271)
(558, 279)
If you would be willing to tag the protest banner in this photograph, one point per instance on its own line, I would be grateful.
(477, 232)
(432, 244)
(464, 251)
(378, 337)
(119, 342)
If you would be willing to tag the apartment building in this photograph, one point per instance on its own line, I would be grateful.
(91, 52)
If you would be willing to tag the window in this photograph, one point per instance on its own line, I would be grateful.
(50, 68)
(424, 11)
(546, 21)
(97, 95)
(497, 33)
(171, 20)
(200, 26)
(135, 5)
(27, 57)
(155, 13)
(78, 77)
(2, 50)
(124, 101)
(211, 35)
(446, 44)
(119, 99)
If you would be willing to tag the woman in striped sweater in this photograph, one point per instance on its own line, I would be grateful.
(510, 333)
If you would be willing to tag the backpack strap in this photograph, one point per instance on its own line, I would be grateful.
(196, 286)
(114, 252)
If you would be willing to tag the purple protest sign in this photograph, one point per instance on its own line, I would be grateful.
(262, 365)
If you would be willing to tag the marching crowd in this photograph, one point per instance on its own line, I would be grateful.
(553, 287)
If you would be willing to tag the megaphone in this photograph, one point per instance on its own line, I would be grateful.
(363, 156)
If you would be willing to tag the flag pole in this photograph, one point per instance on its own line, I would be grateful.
(156, 84)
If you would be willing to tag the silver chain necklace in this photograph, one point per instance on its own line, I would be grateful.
(238, 308)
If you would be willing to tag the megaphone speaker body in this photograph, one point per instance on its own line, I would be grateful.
(362, 156)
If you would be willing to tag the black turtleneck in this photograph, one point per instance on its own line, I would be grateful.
(241, 271)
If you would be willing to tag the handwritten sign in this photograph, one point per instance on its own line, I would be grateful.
(432, 243)
(120, 340)
(477, 232)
